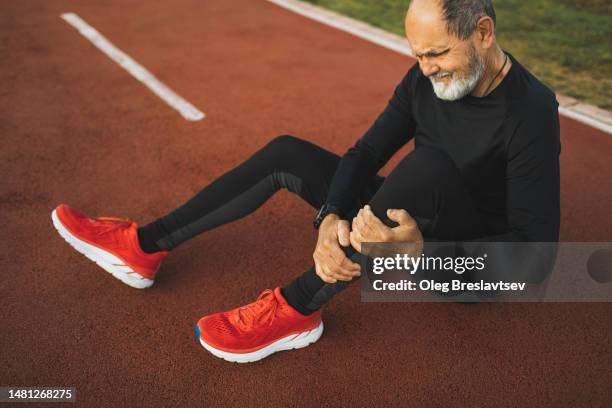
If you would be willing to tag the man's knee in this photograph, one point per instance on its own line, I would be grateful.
(433, 163)
(279, 152)
(294, 155)
(286, 144)
(419, 184)
(424, 171)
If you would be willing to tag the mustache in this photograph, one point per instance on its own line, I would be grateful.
(441, 74)
(475, 65)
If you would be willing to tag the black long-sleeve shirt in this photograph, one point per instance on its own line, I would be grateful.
(505, 144)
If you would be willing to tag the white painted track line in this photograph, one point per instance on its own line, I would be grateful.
(587, 120)
(398, 44)
(344, 24)
(186, 109)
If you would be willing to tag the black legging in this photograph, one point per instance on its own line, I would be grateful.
(426, 183)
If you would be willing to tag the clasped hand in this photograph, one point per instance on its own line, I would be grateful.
(332, 264)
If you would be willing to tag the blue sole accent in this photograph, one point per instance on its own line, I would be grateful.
(197, 330)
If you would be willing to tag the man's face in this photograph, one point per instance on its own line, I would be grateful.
(452, 65)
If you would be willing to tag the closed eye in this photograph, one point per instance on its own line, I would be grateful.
(432, 54)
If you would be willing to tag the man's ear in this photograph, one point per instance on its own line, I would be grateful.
(485, 30)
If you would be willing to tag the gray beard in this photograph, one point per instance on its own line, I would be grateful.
(457, 88)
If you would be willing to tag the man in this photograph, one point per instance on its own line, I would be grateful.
(485, 167)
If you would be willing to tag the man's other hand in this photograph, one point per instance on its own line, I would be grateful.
(367, 227)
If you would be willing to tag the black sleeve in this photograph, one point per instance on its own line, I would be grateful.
(532, 177)
(393, 128)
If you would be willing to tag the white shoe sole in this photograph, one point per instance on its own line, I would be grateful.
(107, 261)
(294, 341)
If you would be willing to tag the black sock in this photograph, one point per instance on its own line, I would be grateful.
(301, 291)
(308, 293)
(149, 235)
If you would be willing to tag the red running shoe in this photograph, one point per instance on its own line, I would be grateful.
(252, 332)
(110, 242)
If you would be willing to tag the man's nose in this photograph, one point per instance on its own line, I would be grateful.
(428, 68)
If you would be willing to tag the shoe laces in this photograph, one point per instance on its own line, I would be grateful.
(105, 225)
(259, 313)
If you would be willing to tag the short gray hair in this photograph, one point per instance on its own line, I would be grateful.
(462, 15)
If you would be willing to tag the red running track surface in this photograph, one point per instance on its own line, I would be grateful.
(76, 128)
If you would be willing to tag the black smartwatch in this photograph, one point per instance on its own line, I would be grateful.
(325, 210)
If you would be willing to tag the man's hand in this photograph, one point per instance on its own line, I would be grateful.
(331, 263)
(369, 228)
